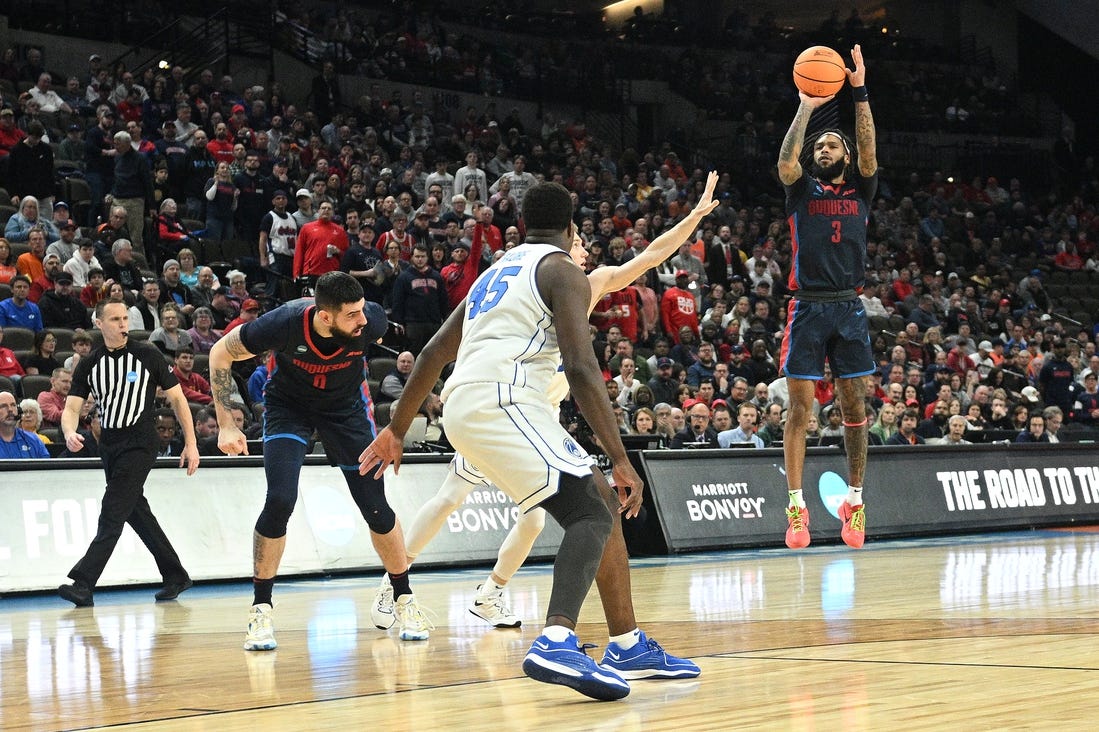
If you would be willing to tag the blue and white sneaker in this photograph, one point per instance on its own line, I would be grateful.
(261, 629)
(382, 613)
(647, 660)
(566, 663)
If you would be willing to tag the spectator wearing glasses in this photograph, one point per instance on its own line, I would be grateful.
(698, 429)
(16, 442)
(41, 358)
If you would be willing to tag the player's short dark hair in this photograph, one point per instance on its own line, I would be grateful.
(848, 146)
(102, 305)
(336, 289)
(547, 207)
(185, 349)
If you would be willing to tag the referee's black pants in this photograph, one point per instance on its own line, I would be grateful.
(127, 463)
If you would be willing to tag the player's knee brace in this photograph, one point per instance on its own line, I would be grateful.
(578, 501)
(276, 510)
(369, 495)
(282, 467)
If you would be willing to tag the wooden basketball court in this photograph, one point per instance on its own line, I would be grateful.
(985, 632)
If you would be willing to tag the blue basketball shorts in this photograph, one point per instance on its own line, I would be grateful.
(815, 331)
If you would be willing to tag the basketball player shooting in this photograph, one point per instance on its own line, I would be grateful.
(828, 209)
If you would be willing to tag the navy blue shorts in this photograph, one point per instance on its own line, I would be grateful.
(838, 331)
(345, 433)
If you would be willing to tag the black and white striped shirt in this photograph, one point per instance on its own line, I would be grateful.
(123, 383)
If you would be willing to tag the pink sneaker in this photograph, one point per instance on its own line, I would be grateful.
(854, 524)
(797, 535)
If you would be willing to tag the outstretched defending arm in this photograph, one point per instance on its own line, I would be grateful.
(612, 279)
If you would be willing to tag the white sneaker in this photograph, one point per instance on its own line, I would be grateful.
(381, 612)
(261, 629)
(490, 607)
(414, 624)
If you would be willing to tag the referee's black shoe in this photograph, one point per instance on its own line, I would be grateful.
(172, 590)
(78, 595)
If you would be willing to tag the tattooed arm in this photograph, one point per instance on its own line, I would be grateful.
(227, 350)
(865, 138)
(789, 167)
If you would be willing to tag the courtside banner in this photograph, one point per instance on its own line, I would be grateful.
(50, 509)
(733, 498)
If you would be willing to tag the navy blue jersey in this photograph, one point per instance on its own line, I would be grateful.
(828, 231)
(307, 370)
(1056, 380)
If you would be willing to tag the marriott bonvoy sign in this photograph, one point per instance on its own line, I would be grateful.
(730, 498)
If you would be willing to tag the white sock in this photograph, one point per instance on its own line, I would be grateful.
(627, 640)
(796, 499)
(488, 587)
(557, 633)
(854, 495)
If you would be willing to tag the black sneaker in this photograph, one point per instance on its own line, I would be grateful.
(172, 590)
(76, 594)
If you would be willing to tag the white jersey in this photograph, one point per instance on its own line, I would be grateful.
(508, 336)
(520, 184)
(282, 232)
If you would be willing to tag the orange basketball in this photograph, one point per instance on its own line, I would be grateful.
(819, 71)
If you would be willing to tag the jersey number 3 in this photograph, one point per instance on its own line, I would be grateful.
(487, 293)
(837, 232)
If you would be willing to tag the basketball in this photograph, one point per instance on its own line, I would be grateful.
(819, 71)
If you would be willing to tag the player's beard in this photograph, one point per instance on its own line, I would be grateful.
(345, 338)
(828, 173)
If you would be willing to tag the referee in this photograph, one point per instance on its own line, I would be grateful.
(123, 376)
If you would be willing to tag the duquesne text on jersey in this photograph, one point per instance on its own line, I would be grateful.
(322, 368)
(833, 207)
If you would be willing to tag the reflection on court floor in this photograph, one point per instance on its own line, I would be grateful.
(903, 634)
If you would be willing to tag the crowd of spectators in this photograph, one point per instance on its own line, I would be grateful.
(733, 67)
(968, 282)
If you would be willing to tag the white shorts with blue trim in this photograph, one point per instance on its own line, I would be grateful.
(511, 437)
